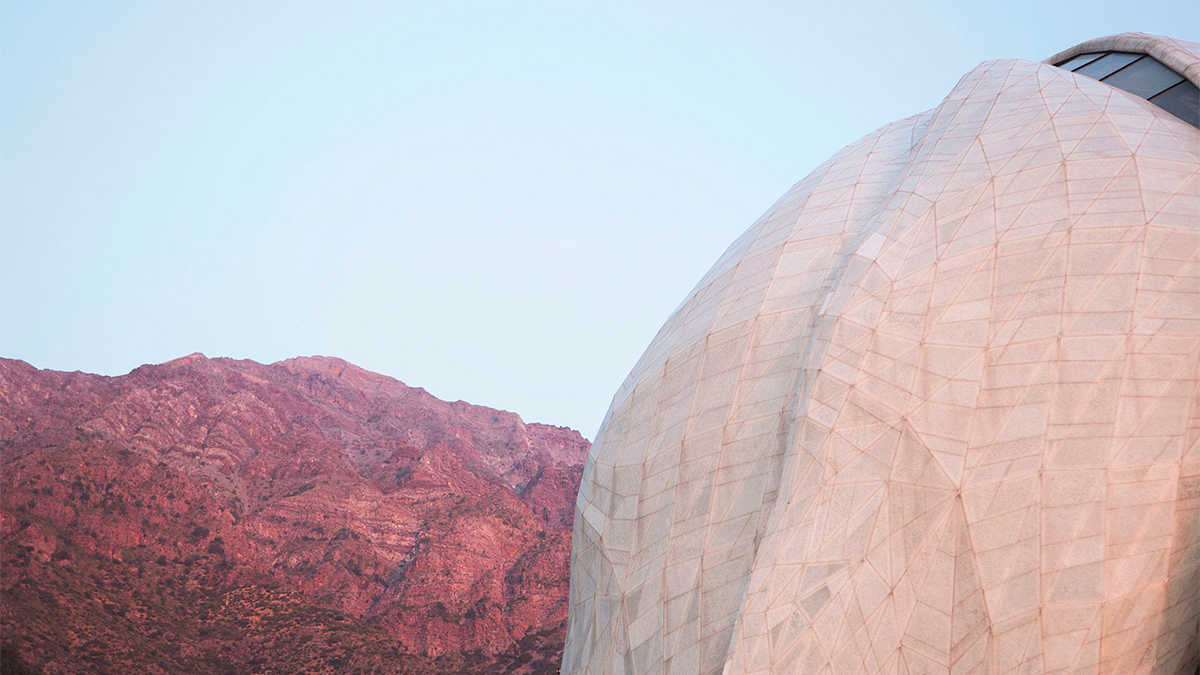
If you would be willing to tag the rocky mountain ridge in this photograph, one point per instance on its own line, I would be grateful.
(439, 532)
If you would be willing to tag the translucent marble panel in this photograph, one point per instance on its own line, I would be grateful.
(937, 411)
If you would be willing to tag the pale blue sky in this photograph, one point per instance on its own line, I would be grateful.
(498, 202)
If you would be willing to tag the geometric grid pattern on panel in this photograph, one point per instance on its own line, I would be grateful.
(937, 411)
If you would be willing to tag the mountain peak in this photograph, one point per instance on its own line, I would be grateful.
(446, 524)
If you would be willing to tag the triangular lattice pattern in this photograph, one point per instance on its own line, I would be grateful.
(936, 412)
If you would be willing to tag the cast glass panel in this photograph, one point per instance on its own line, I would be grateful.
(1107, 65)
(1182, 101)
(1081, 60)
(1144, 77)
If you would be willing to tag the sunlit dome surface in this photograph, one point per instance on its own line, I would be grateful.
(936, 411)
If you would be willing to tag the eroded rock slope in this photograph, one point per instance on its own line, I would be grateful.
(209, 513)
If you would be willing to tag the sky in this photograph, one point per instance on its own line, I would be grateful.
(498, 202)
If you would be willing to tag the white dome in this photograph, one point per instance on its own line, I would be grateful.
(937, 411)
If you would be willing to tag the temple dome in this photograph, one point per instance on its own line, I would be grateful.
(937, 410)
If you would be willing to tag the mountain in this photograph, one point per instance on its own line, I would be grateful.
(212, 515)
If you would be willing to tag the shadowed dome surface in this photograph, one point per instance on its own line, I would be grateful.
(937, 411)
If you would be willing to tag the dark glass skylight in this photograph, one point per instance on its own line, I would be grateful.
(1107, 65)
(1182, 101)
(1081, 60)
(1143, 76)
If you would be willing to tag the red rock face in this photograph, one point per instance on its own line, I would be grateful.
(446, 525)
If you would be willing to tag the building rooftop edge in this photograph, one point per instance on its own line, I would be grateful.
(1182, 56)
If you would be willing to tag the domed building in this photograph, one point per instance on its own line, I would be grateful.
(937, 411)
